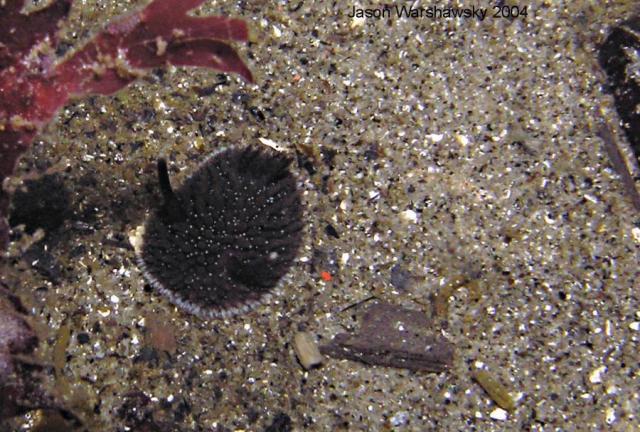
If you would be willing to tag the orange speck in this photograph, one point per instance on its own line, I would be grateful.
(326, 276)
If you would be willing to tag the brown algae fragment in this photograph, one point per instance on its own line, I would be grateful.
(161, 334)
(60, 348)
(394, 336)
(495, 390)
(22, 376)
(59, 357)
(441, 299)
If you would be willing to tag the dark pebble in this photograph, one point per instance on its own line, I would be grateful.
(372, 153)
(257, 114)
(331, 231)
(306, 163)
(83, 338)
(181, 411)
(147, 115)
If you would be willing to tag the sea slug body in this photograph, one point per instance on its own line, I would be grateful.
(220, 242)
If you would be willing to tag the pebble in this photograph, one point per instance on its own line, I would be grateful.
(595, 377)
(498, 414)
(306, 350)
(83, 338)
(409, 216)
(400, 418)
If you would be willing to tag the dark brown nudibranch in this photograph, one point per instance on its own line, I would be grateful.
(220, 242)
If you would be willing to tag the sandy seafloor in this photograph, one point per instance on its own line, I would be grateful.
(484, 130)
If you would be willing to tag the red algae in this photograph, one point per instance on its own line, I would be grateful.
(34, 84)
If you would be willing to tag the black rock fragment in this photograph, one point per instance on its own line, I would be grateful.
(83, 338)
(331, 231)
(394, 336)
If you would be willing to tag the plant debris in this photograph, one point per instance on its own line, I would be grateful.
(495, 390)
(617, 159)
(618, 57)
(59, 353)
(21, 387)
(161, 334)
(441, 299)
(394, 336)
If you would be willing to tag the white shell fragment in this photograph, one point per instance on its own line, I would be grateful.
(274, 145)
(409, 216)
(498, 414)
(595, 377)
(135, 238)
(306, 350)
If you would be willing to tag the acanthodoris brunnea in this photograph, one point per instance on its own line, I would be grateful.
(220, 242)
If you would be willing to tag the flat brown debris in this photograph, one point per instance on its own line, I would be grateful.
(394, 336)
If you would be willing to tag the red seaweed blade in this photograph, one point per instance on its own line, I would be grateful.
(33, 87)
